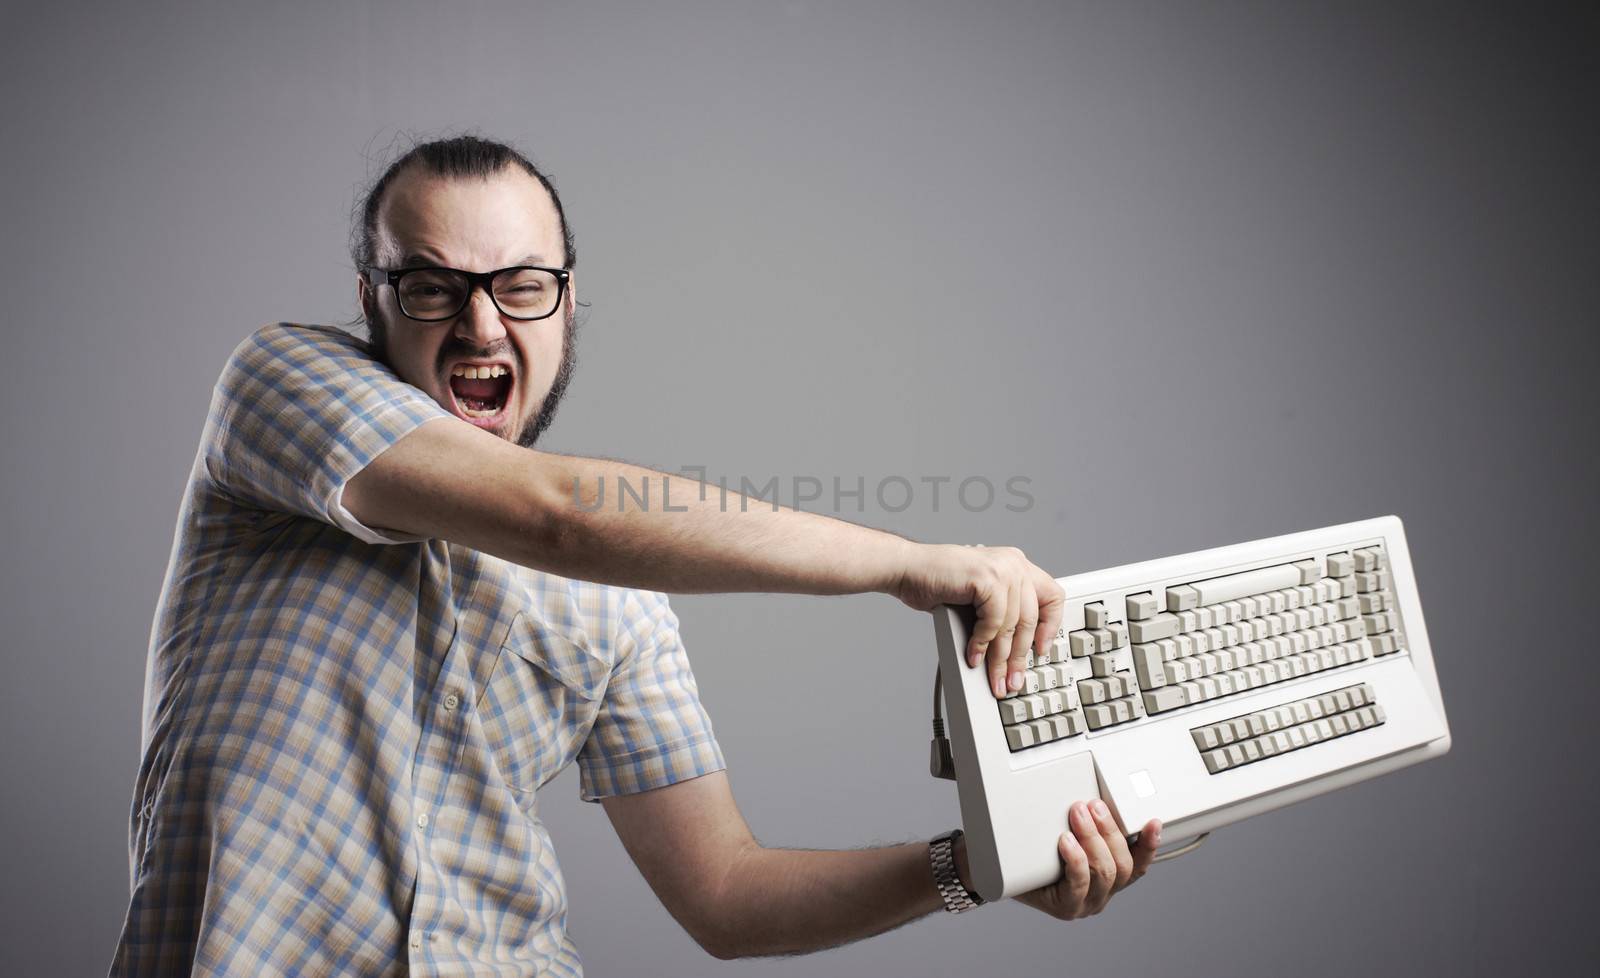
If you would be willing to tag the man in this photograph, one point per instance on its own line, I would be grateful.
(378, 638)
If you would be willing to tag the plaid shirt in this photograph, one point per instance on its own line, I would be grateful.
(346, 729)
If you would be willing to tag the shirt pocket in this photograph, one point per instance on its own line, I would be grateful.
(540, 703)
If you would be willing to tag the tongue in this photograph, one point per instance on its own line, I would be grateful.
(490, 389)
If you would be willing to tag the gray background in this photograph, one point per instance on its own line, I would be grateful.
(1203, 273)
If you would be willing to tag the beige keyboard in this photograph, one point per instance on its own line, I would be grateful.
(1198, 689)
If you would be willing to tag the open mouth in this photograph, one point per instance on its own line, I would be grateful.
(481, 393)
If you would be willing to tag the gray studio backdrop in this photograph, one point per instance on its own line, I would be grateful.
(1200, 273)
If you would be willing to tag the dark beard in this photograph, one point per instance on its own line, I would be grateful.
(534, 426)
(558, 386)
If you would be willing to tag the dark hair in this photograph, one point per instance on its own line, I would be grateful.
(460, 156)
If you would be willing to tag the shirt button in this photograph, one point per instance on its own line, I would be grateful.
(452, 701)
(422, 823)
(416, 939)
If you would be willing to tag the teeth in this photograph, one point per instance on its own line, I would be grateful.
(479, 373)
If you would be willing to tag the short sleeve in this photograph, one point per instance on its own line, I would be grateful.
(298, 412)
(651, 730)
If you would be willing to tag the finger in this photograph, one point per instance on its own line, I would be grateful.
(1014, 666)
(1000, 648)
(1102, 868)
(1115, 842)
(1073, 889)
(1027, 624)
(990, 605)
(1145, 849)
(1052, 605)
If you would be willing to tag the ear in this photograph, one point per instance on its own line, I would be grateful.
(364, 295)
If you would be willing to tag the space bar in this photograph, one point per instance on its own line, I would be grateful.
(1247, 583)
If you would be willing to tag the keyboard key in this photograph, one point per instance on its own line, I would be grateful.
(1094, 615)
(1066, 725)
(1141, 606)
(1183, 598)
(1341, 565)
(1166, 698)
(1234, 586)
(1148, 665)
(1372, 581)
(1310, 570)
(1163, 625)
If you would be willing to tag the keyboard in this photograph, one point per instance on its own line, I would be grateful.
(1199, 689)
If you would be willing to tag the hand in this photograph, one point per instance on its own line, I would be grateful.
(1018, 605)
(1096, 861)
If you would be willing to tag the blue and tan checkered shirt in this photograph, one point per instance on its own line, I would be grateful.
(346, 729)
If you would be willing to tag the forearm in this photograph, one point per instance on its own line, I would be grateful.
(628, 525)
(786, 901)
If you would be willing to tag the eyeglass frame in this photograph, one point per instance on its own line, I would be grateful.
(392, 276)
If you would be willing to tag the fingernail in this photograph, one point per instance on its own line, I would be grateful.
(1016, 680)
(973, 660)
(1100, 809)
(1072, 840)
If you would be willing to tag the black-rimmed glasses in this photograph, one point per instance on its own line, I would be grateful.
(433, 293)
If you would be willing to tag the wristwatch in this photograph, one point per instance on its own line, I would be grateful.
(942, 853)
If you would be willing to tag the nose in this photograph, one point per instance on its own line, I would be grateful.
(479, 323)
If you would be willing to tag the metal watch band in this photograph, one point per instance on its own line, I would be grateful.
(941, 852)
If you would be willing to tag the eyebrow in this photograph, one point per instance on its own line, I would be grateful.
(413, 260)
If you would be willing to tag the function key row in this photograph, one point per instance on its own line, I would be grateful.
(1343, 567)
